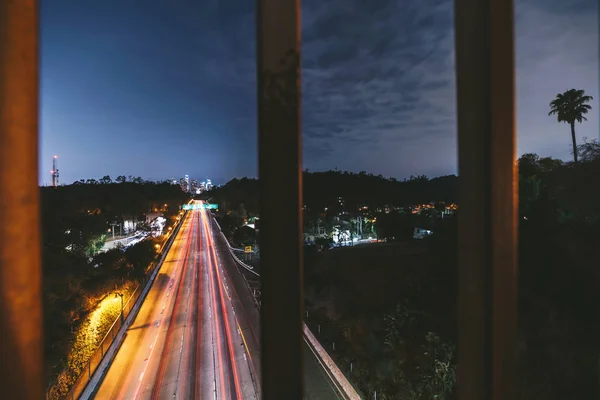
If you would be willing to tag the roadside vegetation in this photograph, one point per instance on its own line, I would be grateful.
(390, 307)
(390, 310)
(80, 282)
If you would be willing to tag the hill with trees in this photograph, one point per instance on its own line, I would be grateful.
(323, 189)
(337, 199)
(391, 308)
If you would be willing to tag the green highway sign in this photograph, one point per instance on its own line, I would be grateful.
(199, 206)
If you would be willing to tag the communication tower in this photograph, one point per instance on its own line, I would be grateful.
(54, 171)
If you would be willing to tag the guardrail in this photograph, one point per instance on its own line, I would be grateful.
(244, 265)
(137, 296)
(257, 385)
(342, 384)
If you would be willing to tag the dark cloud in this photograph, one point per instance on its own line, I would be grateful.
(373, 72)
(382, 73)
(378, 77)
(379, 73)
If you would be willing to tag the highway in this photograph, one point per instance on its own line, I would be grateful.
(318, 385)
(197, 333)
(188, 340)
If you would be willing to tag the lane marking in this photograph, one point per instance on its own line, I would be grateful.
(153, 345)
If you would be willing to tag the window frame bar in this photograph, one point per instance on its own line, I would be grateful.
(280, 181)
(488, 228)
(21, 335)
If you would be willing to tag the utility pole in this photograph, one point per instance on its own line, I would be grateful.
(360, 219)
(113, 229)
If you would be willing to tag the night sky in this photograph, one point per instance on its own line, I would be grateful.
(159, 88)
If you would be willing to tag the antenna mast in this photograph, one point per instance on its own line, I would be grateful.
(54, 171)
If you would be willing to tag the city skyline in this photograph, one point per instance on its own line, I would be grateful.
(157, 90)
(194, 181)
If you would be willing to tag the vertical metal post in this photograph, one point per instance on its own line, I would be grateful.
(21, 345)
(280, 174)
(487, 301)
(122, 311)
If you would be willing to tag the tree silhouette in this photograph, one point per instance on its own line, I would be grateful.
(105, 179)
(569, 107)
(589, 150)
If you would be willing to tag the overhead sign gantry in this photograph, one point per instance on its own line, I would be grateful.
(199, 206)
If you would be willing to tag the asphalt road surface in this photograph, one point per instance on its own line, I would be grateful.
(186, 341)
(197, 334)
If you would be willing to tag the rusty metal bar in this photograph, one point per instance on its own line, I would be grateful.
(280, 173)
(21, 344)
(487, 300)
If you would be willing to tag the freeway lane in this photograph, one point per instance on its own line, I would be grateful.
(186, 341)
(139, 354)
(318, 385)
(197, 334)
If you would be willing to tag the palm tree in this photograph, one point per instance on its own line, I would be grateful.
(570, 107)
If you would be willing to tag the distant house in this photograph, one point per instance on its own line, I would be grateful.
(130, 222)
(421, 233)
(150, 217)
(308, 238)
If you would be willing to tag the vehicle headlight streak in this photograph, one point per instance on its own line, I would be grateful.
(200, 354)
(213, 266)
(185, 249)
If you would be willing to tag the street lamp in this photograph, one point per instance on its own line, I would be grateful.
(117, 294)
